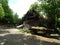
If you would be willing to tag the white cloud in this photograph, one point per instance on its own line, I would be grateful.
(21, 6)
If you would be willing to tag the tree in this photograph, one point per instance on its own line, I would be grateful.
(2, 14)
(15, 18)
(8, 18)
(51, 8)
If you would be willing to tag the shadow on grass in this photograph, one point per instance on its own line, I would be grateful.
(44, 35)
(21, 39)
(2, 31)
(7, 26)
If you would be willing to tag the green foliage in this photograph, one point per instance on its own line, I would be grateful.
(2, 14)
(15, 18)
(51, 10)
(58, 19)
(6, 13)
(34, 6)
(24, 30)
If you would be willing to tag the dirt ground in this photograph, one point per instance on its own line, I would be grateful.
(13, 36)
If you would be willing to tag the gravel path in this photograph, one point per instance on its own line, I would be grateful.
(14, 37)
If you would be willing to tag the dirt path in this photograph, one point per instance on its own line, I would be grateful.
(14, 37)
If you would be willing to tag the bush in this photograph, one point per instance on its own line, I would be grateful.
(58, 29)
(24, 30)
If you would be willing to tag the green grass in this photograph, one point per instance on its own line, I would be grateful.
(24, 30)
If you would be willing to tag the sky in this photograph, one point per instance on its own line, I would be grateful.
(20, 6)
